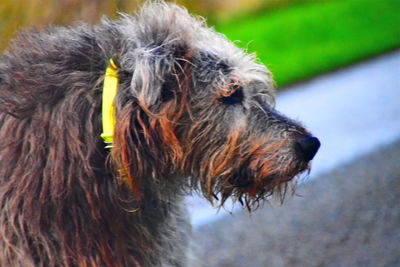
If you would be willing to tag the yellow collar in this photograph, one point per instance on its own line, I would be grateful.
(110, 88)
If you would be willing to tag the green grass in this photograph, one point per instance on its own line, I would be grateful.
(302, 41)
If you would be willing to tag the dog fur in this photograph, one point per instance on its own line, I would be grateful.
(193, 113)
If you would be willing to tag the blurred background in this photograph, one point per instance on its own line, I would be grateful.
(337, 68)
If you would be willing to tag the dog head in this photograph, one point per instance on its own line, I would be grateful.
(195, 105)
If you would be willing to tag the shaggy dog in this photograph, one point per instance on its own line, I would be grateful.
(192, 112)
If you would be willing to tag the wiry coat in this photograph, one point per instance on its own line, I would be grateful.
(60, 204)
(192, 112)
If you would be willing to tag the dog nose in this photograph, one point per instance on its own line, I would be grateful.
(308, 147)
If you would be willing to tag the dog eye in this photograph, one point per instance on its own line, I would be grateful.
(236, 97)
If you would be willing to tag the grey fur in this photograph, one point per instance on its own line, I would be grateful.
(224, 139)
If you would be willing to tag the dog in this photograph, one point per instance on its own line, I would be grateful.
(180, 109)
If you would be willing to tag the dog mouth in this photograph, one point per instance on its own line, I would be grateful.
(239, 181)
(271, 173)
(251, 190)
(243, 180)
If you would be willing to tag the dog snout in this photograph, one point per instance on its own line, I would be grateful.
(307, 147)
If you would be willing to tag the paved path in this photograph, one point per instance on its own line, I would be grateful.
(353, 111)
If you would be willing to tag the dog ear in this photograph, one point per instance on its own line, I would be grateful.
(157, 42)
(159, 74)
(154, 67)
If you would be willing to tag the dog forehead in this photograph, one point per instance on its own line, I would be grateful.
(253, 78)
(216, 51)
